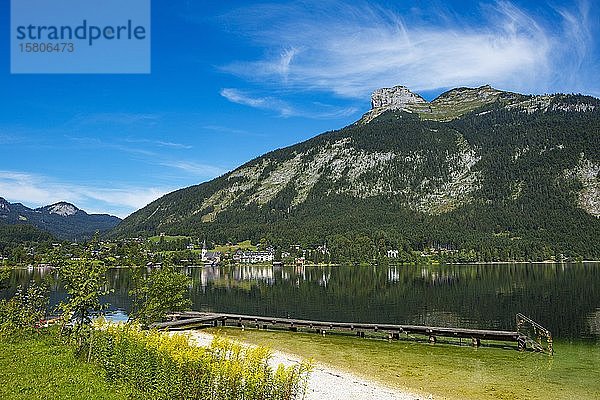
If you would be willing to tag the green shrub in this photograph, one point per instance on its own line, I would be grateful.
(160, 366)
(85, 283)
(161, 291)
(22, 313)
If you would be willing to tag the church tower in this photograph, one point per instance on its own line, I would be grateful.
(204, 250)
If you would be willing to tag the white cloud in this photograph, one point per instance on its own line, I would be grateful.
(114, 119)
(265, 103)
(160, 143)
(35, 190)
(285, 60)
(226, 129)
(97, 143)
(349, 50)
(323, 111)
(133, 198)
(193, 168)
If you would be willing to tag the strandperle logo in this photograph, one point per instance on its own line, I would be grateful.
(84, 31)
(80, 36)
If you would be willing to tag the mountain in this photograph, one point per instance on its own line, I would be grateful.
(507, 175)
(63, 220)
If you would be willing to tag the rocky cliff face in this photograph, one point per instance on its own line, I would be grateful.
(4, 206)
(587, 174)
(62, 208)
(395, 98)
(449, 105)
(460, 101)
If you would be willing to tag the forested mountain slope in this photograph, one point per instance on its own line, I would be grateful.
(507, 175)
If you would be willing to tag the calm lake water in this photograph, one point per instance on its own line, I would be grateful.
(565, 298)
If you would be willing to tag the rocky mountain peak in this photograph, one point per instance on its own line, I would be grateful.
(4, 205)
(62, 219)
(484, 94)
(395, 98)
(449, 105)
(62, 208)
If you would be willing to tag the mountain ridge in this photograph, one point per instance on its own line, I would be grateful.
(483, 178)
(458, 101)
(62, 219)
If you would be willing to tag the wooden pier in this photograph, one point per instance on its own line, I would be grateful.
(195, 320)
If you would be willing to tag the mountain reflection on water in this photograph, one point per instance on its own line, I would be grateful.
(562, 297)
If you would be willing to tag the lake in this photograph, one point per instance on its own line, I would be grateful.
(565, 298)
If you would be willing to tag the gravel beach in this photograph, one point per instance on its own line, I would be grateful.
(326, 383)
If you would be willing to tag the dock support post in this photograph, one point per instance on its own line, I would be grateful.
(522, 343)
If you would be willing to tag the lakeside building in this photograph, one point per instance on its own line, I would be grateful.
(254, 257)
(392, 253)
(210, 257)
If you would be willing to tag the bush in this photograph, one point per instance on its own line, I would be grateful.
(23, 312)
(85, 283)
(160, 366)
(161, 291)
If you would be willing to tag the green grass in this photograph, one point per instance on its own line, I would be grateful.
(448, 113)
(245, 245)
(166, 238)
(448, 371)
(43, 368)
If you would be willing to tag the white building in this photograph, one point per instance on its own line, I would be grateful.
(254, 257)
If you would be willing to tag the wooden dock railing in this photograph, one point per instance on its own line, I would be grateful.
(534, 335)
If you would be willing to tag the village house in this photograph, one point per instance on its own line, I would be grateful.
(254, 257)
(392, 253)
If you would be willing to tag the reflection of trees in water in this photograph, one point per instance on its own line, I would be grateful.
(560, 296)
(484, 296)
(593, 321)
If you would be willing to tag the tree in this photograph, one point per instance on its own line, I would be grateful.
(23, 312)
(4, 275)
(85, 283)
(159, 292)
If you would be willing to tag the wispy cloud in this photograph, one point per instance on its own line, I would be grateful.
(265, 103)
(349, 50)
(97, 143)
(118, 119)
(160, 143)
(226, 129)
(7, 139)
(36, 190)
(283, 108)
(194, 168)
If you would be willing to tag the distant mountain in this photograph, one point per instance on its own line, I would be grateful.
(507, 175)
(63, 220)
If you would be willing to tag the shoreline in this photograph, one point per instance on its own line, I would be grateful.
(547, 262)
(325, 382)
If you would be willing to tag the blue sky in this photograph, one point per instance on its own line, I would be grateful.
(232, 80)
